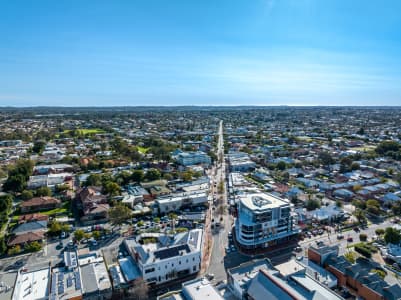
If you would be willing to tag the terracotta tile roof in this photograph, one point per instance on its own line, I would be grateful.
(25, 238)
(38, 201)
(32, 217)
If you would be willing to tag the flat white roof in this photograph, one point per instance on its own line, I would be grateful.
(181, 197)
(200, 289)
(32, 285)
(261, 201)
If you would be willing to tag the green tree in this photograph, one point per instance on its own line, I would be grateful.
(355, 166)
(172, 216)
(65, 227)
(111, 188)
(26, 195)
(123, 177)
(79, 234)
(359, 204)
(137, 176)
(373, 207)
(392, 236)
(281, 165)
(186, 176)
(6, 202)
(152, 174)
(363, 237)
(62, 187)
(15, 183)
(96, 234)
(387, 146)
(43, 191)
(54, 228)
(33, 247)
(379, 231)
(312, 204)
(350, 256)
(38, 147)
(3, 246)
(93, 180)
(360, 215)
(220, 187)
(325, 158)
(381, 273)
(14, 250)
(119, 214)
(18, 176)
(396, 208)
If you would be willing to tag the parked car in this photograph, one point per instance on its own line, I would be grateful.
(350, 239)
(298, 249)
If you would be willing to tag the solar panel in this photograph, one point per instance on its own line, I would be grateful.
(54, 283)
(60, 289)
(69, 282)
(77, 280)
(171, 252)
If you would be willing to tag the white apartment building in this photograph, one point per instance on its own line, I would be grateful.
(174, 202)
(193, 158)
(171, 257)
(264, 220)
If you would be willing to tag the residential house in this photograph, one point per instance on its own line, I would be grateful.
(32, 217)
(25, 238)
(92, 204)
(39, 204)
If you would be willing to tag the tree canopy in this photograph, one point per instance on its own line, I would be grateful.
(18, 176)
(119, 214)
(392, 236)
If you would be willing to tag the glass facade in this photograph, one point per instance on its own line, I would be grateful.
(263, 227)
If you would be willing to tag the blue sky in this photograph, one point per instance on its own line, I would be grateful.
(209, 52)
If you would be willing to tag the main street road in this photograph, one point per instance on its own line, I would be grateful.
(220, 234)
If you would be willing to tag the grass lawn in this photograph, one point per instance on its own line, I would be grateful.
(58, 211)
(364, 148)
(84, 131)
(142, 150)
(304, 138)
